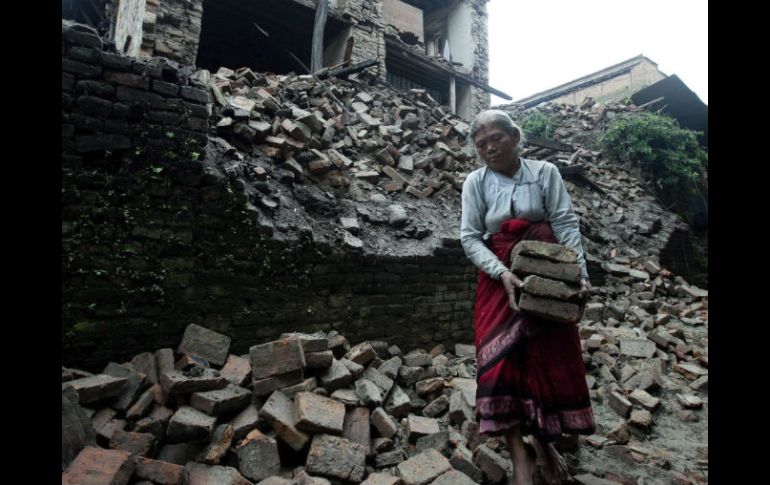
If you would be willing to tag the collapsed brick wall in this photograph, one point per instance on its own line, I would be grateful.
(172, 29)
(368, 32)
(154, 237)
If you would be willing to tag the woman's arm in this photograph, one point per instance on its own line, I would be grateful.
(564, 222)
(472, 230)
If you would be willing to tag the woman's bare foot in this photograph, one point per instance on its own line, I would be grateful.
(522, 460)
(552, 465)
(523, 469)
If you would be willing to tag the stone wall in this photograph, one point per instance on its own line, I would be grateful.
(172, 29)
(155, 236)
(480, 98)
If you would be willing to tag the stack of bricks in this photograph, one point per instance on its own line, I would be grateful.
(551, 277)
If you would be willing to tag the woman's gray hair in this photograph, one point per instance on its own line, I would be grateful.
(502, 120)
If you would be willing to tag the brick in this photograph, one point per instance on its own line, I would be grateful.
(278, 412)
(429, 386)
(189, 424)
(278, 357)
(589, 479)
(462, 460)
(95, 466)
(315, 342)
(550, 309)
(91, 143)
(164, 88)
(419, 426)
(336, 376)
(381, 479)
(390, 367)
(258, 456)
(237, 370)
(524, 265)
(319, 360)
(150, 425)
(160, 472)
(382, 381)
(545, 287)
(417, 358)
(645, 400)
(97, 387)
(220, 443)
(135, 443)
(384, 423)
(356, 427)
(408, 375)
(180, 453)
(142, 405)
(77, 429)
(436, 441)
(361, 354)
(93, 106)
(356, 370)
(423, 468)
(80, 68)
(642, 419)
(182, 382)
(453, 477)
(556, 253)
(436, 407)
(689, 401)
(306, 385)
(337, 458)
(494, 466)
(368, 392)
(198, 474)
(221, 401)
(130, 390)
(347, 397)
(398, 403)
(205, 343)
(127, 79)
(459, 409)
(194, 94)
(132, 96)
(642, 348)
(389, 458)
(245, 421)
(263, 387)
(619, 404)
(689, 371)
(318, 414)
(147, 365)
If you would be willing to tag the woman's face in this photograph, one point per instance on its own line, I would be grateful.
(496, 147)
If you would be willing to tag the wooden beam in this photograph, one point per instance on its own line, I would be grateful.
(552, 144)
(316, 51)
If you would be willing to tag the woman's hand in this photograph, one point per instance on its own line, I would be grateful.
(510, 282)
(585, 287)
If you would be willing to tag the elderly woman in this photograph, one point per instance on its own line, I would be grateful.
(531, 376)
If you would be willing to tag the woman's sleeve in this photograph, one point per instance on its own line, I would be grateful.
(561, 214)
(472, 231)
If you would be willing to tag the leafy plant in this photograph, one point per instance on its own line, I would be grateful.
(668, 155)
(538, 124)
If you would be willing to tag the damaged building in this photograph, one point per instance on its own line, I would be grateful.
(437, 45)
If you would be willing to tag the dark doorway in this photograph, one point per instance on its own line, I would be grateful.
(264, 35)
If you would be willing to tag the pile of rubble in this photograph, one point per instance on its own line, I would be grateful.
(312, 409)
(304, 409)
(302, 127)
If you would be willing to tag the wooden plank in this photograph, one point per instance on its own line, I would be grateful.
(552, 144)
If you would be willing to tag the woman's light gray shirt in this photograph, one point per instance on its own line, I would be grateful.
(535, 193)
